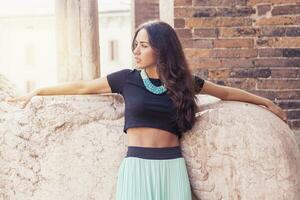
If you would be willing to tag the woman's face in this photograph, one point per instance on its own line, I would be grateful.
(144, 54)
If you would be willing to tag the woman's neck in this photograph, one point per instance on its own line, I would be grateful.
(151, 72)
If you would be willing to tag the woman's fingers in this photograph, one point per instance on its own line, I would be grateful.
(284, 117)
(281, 113)
(25, 103)
(278, 111)
(16, 99)
(11, 100)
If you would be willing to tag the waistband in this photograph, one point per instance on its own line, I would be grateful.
(157, 153)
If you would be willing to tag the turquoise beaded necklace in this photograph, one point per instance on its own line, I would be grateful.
(150, 86)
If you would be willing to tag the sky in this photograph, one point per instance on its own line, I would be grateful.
(37, 7)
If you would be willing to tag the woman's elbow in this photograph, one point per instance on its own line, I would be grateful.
(226, 94)
(219, 91)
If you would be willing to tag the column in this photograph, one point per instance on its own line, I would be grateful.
(77, 35)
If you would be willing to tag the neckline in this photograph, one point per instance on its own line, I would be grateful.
(152, 79)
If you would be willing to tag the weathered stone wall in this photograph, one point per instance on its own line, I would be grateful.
(7, 89)
(70, 148)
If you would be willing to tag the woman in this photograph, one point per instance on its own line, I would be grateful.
(160, 106)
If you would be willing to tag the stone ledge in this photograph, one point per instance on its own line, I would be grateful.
(58, 144)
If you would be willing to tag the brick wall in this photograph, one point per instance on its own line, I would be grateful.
(253, 45)
(144, 10)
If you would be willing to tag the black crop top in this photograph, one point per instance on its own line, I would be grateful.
(143, 108)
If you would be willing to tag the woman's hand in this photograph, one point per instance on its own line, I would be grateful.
(277, 111)
(24, 99)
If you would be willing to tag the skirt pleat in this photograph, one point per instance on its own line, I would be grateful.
(153, 179)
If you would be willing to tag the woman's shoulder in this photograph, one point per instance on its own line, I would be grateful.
(129, 70)
(133, 71)
(124, 71)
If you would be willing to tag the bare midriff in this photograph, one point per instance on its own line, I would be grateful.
(151, 137)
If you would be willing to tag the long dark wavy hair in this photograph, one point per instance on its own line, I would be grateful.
(173, 70)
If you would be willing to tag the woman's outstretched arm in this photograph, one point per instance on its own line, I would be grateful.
(235, 94)
(80, 87)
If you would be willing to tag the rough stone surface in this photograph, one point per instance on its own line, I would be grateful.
(7, 89)
(70, 148)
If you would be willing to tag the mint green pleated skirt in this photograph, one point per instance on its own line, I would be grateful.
(148, 173)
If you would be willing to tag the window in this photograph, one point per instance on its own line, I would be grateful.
(113, 50)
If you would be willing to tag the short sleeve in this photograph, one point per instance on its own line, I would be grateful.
(117, 80)
(198, 83)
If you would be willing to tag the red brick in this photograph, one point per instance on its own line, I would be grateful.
(206, 32)
(293, 114)
(250, 72)
(278, 20)
(254, 2)
(295, 125)
(209, 63)
(238, 62)
(289, 52)
(233, 43)
(201, 72)
(239, 32)
(292, 62)
(292, 31)
(270, 31)
(264, 42)
(270, 52)
(217, 22)
(277, 62)
(182, 3)
(286, 10)
(182, 12)
(192, 53)
(219, 2)
(192, 67)
(235, 11)
(285, 72)
(277, 94)
(183, 32)
(196, 43)
(278, 84)
(223, 11)
(263, 9)
(288, 104)
(205, 12)
(269, 62)
(179, 23)
(267, 94)
(241, 83)
(145, 10)
(218, 73)
(221, 53)
(205, 62)
(234, 53)
(288, 42)
(286, 94)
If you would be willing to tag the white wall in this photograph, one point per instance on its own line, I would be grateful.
(115, 26)
(17, 32)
